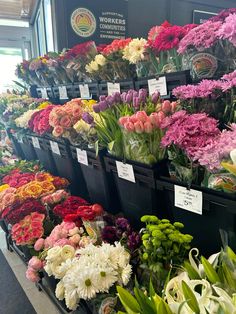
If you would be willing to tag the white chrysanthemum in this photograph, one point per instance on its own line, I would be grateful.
(107, 277)
(22, 121)
(60, 291)
(134, 51)
(88, 284)
(71, 299)
(67, 252)
(126, 274)
(92, 67)
(100, 59)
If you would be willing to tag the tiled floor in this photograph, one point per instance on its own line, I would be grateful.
(39, 300)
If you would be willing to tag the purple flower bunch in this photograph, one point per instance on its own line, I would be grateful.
(120, 230)
(212, 155)
(206, 88)
(228, 29)
(201, 37)
(189, 132)
(88, 118)
(132, 97)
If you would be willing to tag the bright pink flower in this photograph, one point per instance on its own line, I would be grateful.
(166, 106)
(129, 126)
(39, 244)
(123, 120)
(32, 275)
(148, 128)
(141, 116)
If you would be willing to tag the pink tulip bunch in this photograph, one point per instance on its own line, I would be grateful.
(140, 122)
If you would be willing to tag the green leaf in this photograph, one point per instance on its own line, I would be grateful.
(190, 298)
(210, 272)
(163, 308)
(147, 307)
(129, 302)
(96, 147)
(231, 254)
(193, 274)
(151, 289)
(111, 145)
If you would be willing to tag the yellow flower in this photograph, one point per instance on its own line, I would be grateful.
(4, 187)
(44, 105)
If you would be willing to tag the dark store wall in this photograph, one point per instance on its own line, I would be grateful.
(143, 14)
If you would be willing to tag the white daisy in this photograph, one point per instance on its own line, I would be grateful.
(107, 277)
(87, 284)
(126, 274)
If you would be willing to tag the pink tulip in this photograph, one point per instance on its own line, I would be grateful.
(153, 117)
(133, 119)
(129, 126)
(39, 244)
(138, 126)
(35, 263)
(173, 106)
(123, 120)
(148, 128)
(161, 116)
(32, 275)
(166, 106)
(141, 116)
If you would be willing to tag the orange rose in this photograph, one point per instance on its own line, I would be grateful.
(43, 177)
(34, 189)
(47, 187)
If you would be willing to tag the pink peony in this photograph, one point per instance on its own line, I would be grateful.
(35, 263)
(32, 275)
(39, 244)
(68, 225)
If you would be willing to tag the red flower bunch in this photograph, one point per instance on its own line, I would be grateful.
(39, 122)
(16, 213)
(88, 212)
(60, 183)
(168, 38)
(16, 179)
(29, 229)
(156, 30)
(116, 46)
(80, 49)
(69, 206)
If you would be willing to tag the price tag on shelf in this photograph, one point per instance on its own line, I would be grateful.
(35, 142)
(44, 93)
(158, 85)
(113, 88)
(84, 91)
(82, 156)
(190, 200)
(63, 92)
(125, 171)
(55, 148)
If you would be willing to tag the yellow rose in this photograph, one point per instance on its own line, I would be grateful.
(4, 187)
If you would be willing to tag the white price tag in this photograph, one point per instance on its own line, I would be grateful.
(35, 142)
(82, 156)
(113, 88)
(63, 92)
(190, 200)
(158, 85)
(44, 93)
(55, 148)
(84, 91)
(125, 171)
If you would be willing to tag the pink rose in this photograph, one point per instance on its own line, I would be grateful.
(138, 126)
(75, 239)
(35, 263)
(39, 244)
(57, 131)
(129, 126)
(148, 128)
(65, 121)
(32, 275)
(141, 116)
(166, 106)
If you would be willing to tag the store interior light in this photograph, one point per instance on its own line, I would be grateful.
(12, 22)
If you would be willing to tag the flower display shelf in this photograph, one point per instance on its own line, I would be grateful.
(139, 198)
(218, 216)
(48, 285)
(93, 89)
(26, 147)
(44, 154)
(172, 80)
(100, 185)
(64, 164)
(16, 145)
(125, 85)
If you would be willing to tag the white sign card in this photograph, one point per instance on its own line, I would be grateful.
(190, 200)
(35, 142)
(84, 91)
(82, 156)
(113, 88)
(158, 85)
(55, 148)
(44, 93)
(125, 171)
(63, 92)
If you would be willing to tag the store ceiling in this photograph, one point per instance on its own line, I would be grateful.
(16, 9)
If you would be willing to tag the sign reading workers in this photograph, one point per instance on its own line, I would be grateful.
(101, 21)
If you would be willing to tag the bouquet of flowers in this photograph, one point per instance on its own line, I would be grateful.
(24, 72)
(39, 121)
(55, 198)
(69, 206)
(185, 135)
(54, 65)
(16, 179)
(39, 66)
(209, 49)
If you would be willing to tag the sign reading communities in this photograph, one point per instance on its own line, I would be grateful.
(101, 21)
